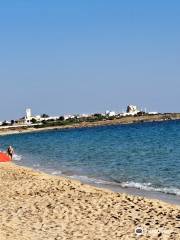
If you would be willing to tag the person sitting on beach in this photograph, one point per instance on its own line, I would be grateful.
(10, 151)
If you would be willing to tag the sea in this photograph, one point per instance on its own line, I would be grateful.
(140, 158)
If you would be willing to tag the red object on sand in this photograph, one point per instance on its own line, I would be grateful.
(4, 157)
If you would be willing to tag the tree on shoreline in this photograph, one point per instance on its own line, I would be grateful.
(44, 115)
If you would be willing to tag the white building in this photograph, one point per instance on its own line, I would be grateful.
(132, 109)
(39, 118)
(28, 113)
(85, 115)
(28, 116)
(152, 113)
(68, 117)
(110, 113)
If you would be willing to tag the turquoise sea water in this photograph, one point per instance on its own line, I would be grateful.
(144, 156)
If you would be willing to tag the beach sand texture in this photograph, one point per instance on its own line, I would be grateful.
(35, 205)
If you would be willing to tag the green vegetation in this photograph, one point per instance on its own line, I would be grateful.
(76, 120)
(34, 120)
(61, 118)
(100, 117)
(96, 118)
(5, 123)
(44, 115)
(62, 122)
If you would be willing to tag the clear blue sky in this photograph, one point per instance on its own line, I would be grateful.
(77, 56)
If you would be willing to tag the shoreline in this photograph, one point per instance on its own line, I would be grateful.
(117, 188)
(151, 195)
(35, 205)
(136, 192)
(121, 121)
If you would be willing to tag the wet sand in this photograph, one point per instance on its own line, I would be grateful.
(35, 205)
(168, 198)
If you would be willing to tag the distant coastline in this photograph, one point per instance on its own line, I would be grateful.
(108, 122)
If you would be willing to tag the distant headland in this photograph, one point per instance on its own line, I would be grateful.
(30, 123)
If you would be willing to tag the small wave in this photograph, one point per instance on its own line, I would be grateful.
(17, 157)
(149, 187)
(90, 180)
(36, 165)
(56, 173)
(141, 186)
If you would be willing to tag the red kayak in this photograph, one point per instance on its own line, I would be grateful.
(4, 157)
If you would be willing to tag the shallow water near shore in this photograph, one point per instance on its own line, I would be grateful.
(142, 159)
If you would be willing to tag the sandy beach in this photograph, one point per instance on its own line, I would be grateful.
(36, 206)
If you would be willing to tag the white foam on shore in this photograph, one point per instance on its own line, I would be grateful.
(129, 184)
(141, 186)
(56, 173)
(90, 180)
(36, 165)
(149, 187)
(17, 157)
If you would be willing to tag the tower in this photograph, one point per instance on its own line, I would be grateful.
(28, 113)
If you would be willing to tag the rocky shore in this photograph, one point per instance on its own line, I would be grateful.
(34, 205)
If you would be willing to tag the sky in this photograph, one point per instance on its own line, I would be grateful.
(87, 56)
